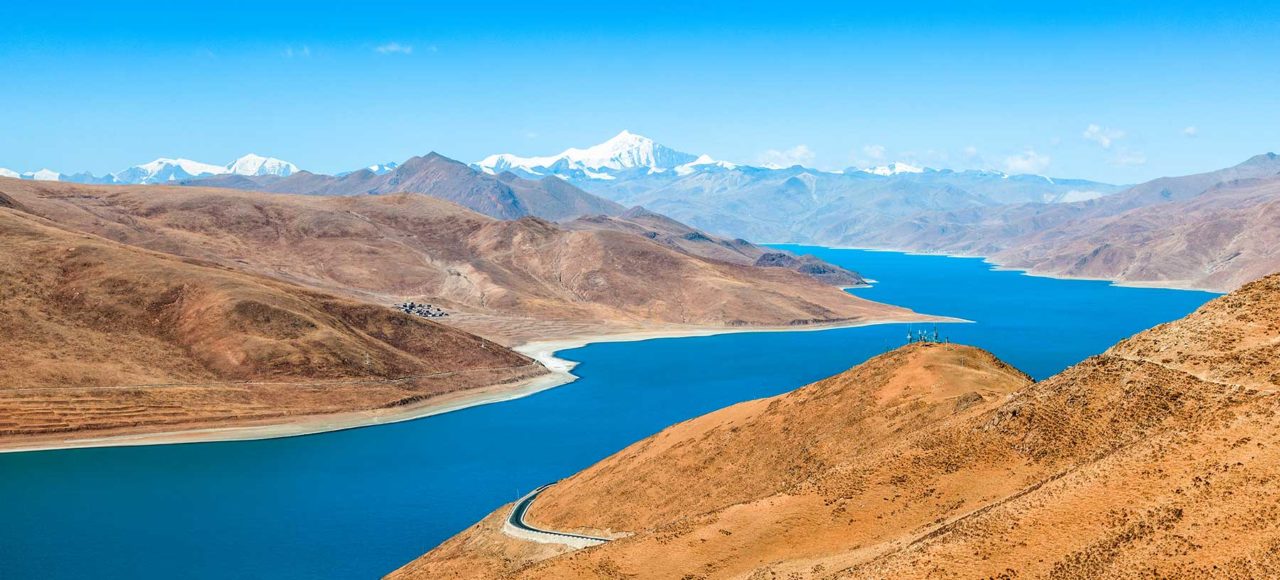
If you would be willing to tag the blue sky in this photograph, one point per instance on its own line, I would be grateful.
(1115, 91)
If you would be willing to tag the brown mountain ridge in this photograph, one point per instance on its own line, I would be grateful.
(1214, 230)
(509, 280)
(674, 234)
(504, 196)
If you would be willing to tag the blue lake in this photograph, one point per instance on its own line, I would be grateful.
(359, 503)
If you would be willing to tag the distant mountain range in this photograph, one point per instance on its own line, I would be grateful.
(792, 204)
(629, 153)
(1207, 230)
(625, 152)
(1212, 230)
(165, 170)
(504, 196)
(736, 200)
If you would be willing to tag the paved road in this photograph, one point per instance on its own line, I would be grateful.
(517, 528)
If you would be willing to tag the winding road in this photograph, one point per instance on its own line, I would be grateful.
(516, 527)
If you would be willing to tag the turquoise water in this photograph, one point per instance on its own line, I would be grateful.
(359, 503)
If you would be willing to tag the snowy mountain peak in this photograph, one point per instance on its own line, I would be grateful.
(627, 150)
(376, 168)
(43, 175)
(622, 152)
(187, 165)
(381, 168)
(703, 161)
(165, 169)
(894, 169)
(252, 164)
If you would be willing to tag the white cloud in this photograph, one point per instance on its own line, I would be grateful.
(301, 52)
(1129, 157)
(868, 155)
(394, 48)
(1191, 131)
(1026, 162)
(1102, 135)
(798, 155)
(970, 152)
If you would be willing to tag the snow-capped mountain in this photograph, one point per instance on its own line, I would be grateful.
(624, 152)
(376, 169)
(381, 168)
(631, 156)
(703, 162)
(164, 170)
(894, 168)
(43, 175)
(254, 165)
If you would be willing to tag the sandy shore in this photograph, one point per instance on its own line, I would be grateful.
(998, 267)
(309, 424)
(543, 351)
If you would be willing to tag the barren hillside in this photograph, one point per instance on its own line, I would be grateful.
(103, 338)
(1158, 458)
(1214, 230)
(506, 279)
(674, 234)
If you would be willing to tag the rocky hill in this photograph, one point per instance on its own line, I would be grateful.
(674, 234)
(102, 338)
(1158, 458)
(507, 279)
(503, 196)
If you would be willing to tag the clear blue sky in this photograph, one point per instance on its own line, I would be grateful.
(1172, 87)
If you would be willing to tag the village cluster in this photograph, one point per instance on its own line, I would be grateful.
(423, 310)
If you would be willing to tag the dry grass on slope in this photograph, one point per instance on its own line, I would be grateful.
(782, 444)
(1235, 339)
(389, 247)
(100, 337)
(1159, 458)
(713, 486)
(1221, 239)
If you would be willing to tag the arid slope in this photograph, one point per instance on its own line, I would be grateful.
(1214, 230)
(674, 234)
(1159, 458)
(101, 338)
(506, 279)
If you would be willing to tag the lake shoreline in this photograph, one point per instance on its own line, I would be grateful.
(1026, 271)
(543, 351)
